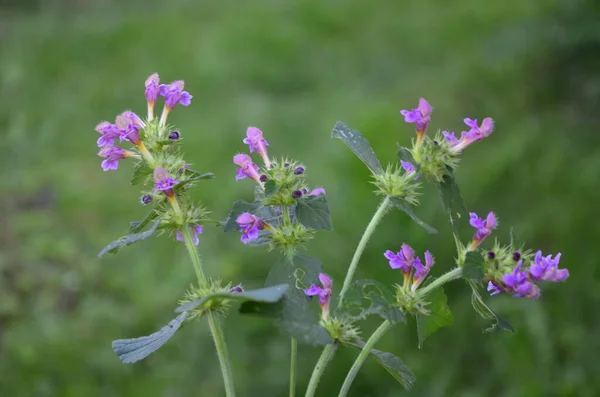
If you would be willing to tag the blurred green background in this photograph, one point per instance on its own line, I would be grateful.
(293, 68)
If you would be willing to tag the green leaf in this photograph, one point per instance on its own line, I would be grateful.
(439, 315)
(239, 207)
(405, 154)
(473, 268)
(487, 313)
(391, 363)
(358, 144)
(271, 187)
(140, 173)
(135, 227)
(405, 207)
(452, 201)
(128, 240)
(136, 349)
(366, 297)
(194, 176)
(293, 314)
(313, 212)
(266, 295)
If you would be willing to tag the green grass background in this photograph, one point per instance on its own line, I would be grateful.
(293, 68)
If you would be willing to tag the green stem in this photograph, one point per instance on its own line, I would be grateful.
(383, 207)
(213, 320)
(364, 353)
(326, 356)
(293, 367)
(451, 275)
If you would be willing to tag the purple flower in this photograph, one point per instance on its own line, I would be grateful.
(518, 283)
(409, 168)
(130, 124)
(546, 268)
(476, 133)
(484, 227)
(317, 192)
(237, 289)
(164, 182)
(493, 289)
(250, 225)
(175, 94)
(109, 133)
(152, 88)
(196, 231)
(421, 116)
(402, 260)
(113, 154)
(450, 138)
(254, 139)
(247, 167)
(324, 293)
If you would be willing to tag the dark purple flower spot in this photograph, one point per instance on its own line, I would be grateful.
(146, 199)
(516, 256)
(299, 170)
(174, 135)
(286, 165)
(297, 194)
(263, 178)
(491, 255)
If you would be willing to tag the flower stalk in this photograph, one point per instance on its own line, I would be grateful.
(326, 356)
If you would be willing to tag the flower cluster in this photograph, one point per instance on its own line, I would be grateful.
(159, 166)
(410, 265)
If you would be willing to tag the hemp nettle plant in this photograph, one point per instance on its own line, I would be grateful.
(286, 213)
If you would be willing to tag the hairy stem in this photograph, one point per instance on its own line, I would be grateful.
(438, 282)
(383, 207)
(326, 356)
(293, 367)
(364, 353)
(213, 320)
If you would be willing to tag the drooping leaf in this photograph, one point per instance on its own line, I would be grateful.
(487, 313)
(128, 240)
(271, 187)
(439, 315)
(140, 172)
(293, 314)
(136, 227)
(358, 144)
(366, 297)
(265, 295)
(405, 207)
(136, 349)
(405, 154)
(313, 212)
(452, 201)
(473, 267)
(391, 363)
(195, 176)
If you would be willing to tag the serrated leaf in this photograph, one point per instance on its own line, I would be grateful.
(140, 173)
(406, 208)
(135, 227)
(136, 349)
(484, 311)
(391, 363)
(452, 201)
(358, 144)
(313, 212)
(439, 315)
(293, 314)
(367, 297)
(265, 295)
(405, 154)
(128, 240)
(271, 187)
(473, 267)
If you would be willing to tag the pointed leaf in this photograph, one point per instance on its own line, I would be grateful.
(358, 144)
(366, 297)
(391, 363)
(266, 295)
(140, 172)
(136, 227)
(136, 349)
(439, 315)
(271, 187)
(293, 314)
(452, 201)
(405, 207)
(195, 176)
(128, 240)
(473, 268)
(487, 313)
(313, 212)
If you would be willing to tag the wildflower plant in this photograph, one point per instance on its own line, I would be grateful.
(285, 212)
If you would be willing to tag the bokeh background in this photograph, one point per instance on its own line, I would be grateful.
(293, 68)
